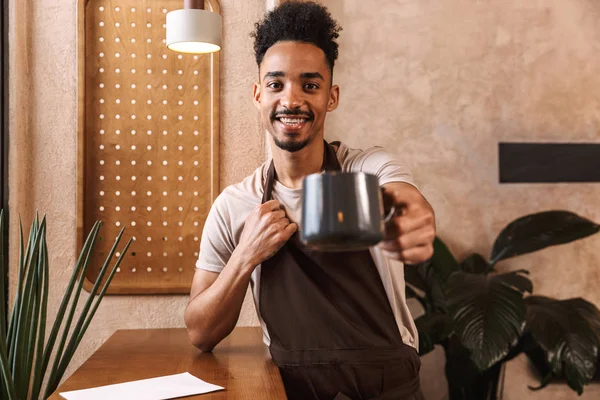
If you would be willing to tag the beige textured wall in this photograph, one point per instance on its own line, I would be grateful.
(43, 145)
(440, 82)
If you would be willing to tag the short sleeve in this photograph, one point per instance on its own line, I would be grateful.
(386, 166)
(216, 245)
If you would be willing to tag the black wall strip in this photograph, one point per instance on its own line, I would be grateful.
(549, 162)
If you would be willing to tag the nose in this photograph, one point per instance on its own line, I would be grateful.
(292, 98)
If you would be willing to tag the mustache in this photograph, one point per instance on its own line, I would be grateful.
(296, 111)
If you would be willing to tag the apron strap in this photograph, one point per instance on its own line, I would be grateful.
(330, 163)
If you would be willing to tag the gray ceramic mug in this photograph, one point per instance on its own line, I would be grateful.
(342, 211)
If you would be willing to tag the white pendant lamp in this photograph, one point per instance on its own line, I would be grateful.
(193, 29)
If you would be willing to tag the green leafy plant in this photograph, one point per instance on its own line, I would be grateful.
(24, 353)
(484, 318)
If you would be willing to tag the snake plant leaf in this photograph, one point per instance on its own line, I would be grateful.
(537, 231)
(566, 331)
(433, 328)
(3, 284)
(488, 312)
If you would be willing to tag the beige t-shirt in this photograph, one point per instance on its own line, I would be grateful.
(225, 222)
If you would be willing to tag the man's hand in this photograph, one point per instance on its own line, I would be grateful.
(410, 233)
(266, 230)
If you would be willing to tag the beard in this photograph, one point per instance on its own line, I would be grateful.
(291, 146)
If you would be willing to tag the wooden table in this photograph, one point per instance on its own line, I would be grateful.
(241, 363)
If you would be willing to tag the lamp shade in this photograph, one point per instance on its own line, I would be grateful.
(191, 30)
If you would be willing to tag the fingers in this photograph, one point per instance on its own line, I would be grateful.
(271, 205)
(403, 225)
(420, 237)
(411, 256)
(290, 229)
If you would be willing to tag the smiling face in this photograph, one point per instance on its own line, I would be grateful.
(294, 94)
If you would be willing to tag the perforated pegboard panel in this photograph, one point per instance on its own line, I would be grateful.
(148, 143)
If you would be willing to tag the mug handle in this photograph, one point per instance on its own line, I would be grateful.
(390, 214)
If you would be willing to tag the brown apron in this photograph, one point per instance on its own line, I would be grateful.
(333, 333)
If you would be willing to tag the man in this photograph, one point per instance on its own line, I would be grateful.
(337, 324)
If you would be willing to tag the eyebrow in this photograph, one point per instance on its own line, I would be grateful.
(304, 75)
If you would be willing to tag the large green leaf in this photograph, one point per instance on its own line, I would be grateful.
(563, 330)
(475, 264)
(443, 262)
(433, 328)
(488, 312)
(537, 231)
(422, 277)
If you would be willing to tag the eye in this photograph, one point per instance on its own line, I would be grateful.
(311, 86)
(274, 85)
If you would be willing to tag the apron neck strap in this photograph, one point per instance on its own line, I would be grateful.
(330, 163)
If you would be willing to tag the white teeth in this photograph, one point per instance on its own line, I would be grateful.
(292, 121)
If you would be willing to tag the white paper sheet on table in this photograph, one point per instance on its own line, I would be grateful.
(164, 387)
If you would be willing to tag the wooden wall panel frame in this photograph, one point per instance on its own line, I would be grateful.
(119, 286)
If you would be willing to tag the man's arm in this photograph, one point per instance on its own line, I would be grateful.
(216, 302)
(410, 233)
(216, 298)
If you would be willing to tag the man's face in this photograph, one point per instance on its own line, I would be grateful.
(294, 94)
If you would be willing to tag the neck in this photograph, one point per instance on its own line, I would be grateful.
(293, 167)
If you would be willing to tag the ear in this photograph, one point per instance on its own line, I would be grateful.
(334, 98)
(256, 95)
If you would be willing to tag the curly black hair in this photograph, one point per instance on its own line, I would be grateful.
(306, 22)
